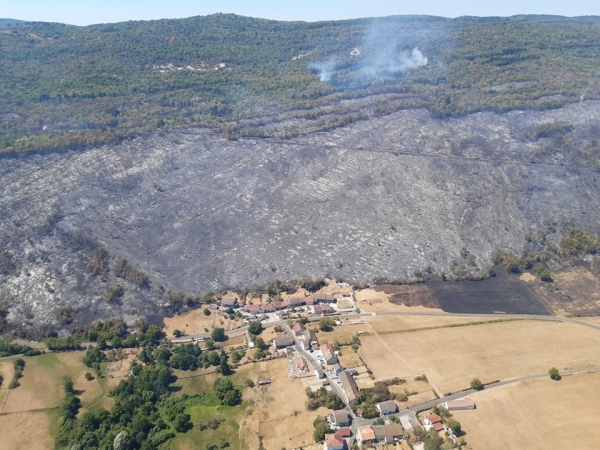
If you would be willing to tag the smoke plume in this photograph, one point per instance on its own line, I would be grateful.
(323, 69)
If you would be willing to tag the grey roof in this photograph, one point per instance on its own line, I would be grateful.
(340, 416)
(284, 341)
(388, 405)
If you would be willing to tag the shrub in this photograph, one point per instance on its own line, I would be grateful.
(544, 274)
(553, 372)
(255, 328)
(476, 384)
(206, 312)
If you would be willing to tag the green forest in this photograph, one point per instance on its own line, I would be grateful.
(64, 87)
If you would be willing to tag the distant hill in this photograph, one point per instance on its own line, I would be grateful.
(63, 86)
(6, 22)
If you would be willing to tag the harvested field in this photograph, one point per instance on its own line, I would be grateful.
(452, 357)
(195, 322)
(26, 430)
(386, 324)
(41, 385)
(283, 398)
(290, 432)
(535, 414)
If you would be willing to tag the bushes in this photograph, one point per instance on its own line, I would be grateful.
(476, 384)
(544, 274)
(123, 269)
(323, 398)
(98, 263)
(553, 372)
(311, 285)
(62, 344)
(255, 328)
(578, 243)
(114, 293)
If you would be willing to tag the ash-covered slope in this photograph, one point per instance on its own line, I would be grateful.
(377, 199)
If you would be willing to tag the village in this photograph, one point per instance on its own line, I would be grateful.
(318, 366)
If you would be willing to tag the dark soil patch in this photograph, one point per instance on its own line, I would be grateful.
(504, 293)
(410, 295)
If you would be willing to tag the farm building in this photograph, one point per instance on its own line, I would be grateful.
(459, 405)
(388, 407)
(263, 381)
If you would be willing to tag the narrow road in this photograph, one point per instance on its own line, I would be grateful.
(437, 401)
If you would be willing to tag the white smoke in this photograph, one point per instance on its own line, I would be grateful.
(385, 50)
(325, 70)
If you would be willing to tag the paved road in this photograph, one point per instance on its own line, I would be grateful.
(437, 401)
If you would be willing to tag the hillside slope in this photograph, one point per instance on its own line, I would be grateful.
(63, 86)
(375, 199)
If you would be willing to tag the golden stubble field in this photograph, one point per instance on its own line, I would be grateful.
(26, 417)
(452, 357)
(195, 322)
(366, 326)
(536, 414)
(279, 412)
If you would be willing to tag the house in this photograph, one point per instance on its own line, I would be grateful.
(310, 301)
(229, 303)
(388, 407)
(329, 354)
(322, 309)
(269, 308)
(298, 329)
(324, 298)
(333, 442)
(344, 433)
(349, 386)
(319, 373)
(339, 418)
(310, 339)
(283, 342)
(365, 435)
(337, 368)
(262, 381)
(284, 304)
(459, 405)
(434, 421)
(253, 309)
(388, 433)
(296, 301)
(302, 365)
